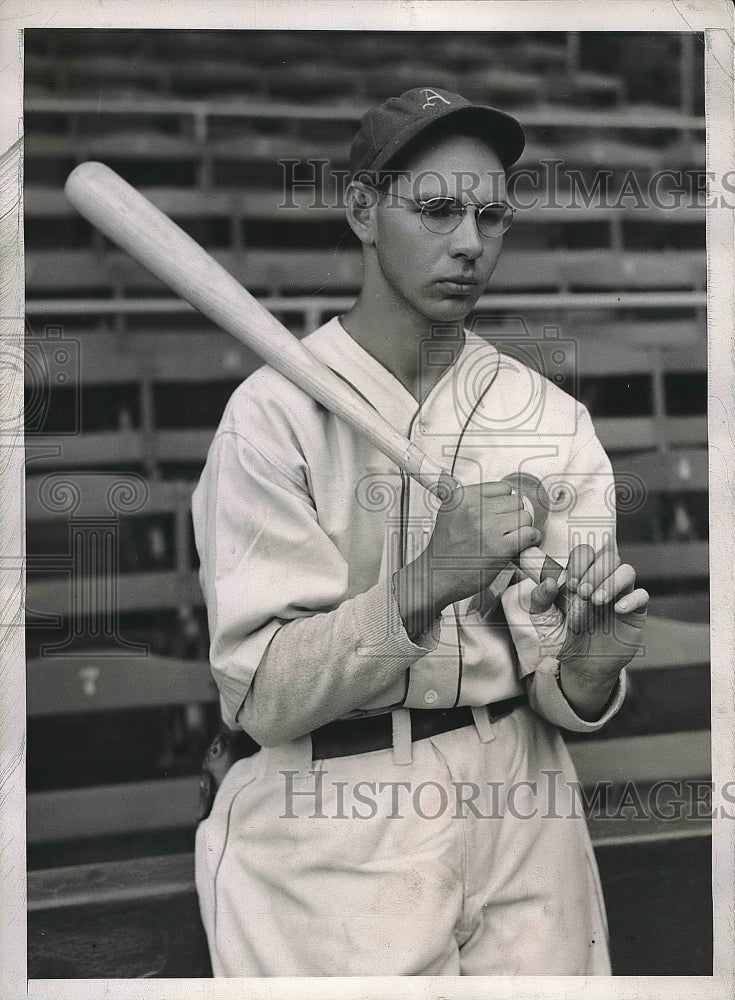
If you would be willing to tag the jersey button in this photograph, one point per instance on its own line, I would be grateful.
(431, 696)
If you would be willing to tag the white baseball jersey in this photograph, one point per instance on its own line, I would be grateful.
(300, 524)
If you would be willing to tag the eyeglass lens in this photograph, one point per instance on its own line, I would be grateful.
(442, 215)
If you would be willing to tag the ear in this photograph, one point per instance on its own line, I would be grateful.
(362, 202)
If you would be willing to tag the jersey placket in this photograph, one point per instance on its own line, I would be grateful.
(435, 681)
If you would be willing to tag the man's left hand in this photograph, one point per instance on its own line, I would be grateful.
(602, 630)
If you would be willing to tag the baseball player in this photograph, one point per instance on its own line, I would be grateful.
(413, 809)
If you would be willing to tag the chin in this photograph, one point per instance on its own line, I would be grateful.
(449, 311)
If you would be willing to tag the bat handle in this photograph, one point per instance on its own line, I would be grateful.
(435, 479)
(539, 566)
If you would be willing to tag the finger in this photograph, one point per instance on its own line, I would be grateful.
(525, 520)
(519, 539)
(605, 563)
(495, 489)
(504, 504)
(621, 581)
(581, 615)
(580, 559)
(635, 601)
(543, 596)
(513, 520)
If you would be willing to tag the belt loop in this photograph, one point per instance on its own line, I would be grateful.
(292, 756)
(483, 723)
(402, 747)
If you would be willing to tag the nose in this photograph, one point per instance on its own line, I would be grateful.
(466, 239)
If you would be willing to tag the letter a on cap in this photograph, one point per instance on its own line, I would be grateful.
(432, 97)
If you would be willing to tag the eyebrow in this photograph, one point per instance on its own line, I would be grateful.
(450, 197)
(444, 191)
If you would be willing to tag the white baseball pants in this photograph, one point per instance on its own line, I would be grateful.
(474, 859)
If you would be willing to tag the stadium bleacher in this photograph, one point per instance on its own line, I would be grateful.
(202, 130)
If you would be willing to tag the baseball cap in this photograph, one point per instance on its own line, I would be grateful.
(386, 129)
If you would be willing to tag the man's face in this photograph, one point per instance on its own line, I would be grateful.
(440, 277)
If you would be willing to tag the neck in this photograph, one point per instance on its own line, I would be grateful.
(397, 337)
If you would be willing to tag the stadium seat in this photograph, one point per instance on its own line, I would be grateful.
(85, 661)
(536, 53)
(284, 270)
(307, 81)
(141, 144)
(111, 73)
(646, 269)
(212, 77)
(497, 85)
(388, 78)
(365, 49)
(248, 145)
(612, 153)
(584, 88)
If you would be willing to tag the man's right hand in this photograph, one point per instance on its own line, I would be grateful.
(477, 532)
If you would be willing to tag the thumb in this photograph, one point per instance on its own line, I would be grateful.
(543, 596)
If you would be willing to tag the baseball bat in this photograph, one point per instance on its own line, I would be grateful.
(130, 220)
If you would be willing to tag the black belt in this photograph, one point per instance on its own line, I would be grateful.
(345, 737)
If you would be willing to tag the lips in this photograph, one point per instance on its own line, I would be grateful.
(458, 284)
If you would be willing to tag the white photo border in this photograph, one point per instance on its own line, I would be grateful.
(716, 20)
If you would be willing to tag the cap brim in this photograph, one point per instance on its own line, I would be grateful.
(503, 133)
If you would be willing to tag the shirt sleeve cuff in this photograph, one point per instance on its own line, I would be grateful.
(231, 700)
(234, 673)
(382, 632)
(547, 698)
